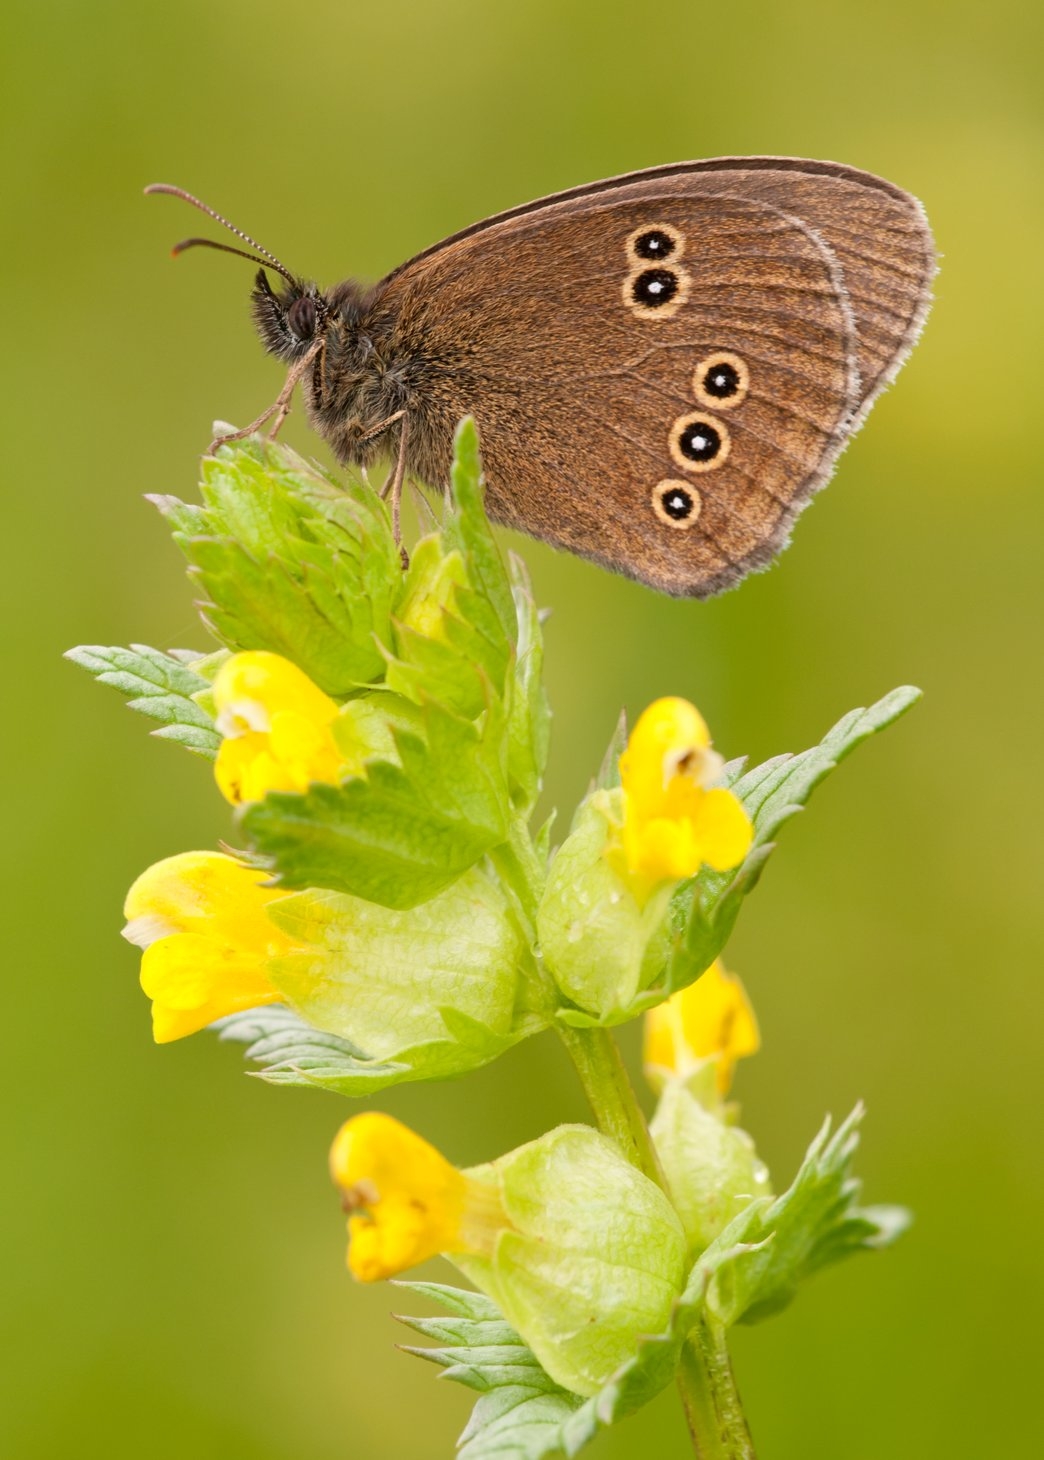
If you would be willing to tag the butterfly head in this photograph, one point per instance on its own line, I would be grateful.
(289, 320)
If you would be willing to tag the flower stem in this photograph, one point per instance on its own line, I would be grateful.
(708, 1390)
(611, 1096)
(711, 1400)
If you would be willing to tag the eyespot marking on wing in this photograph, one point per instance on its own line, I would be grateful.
(676, 503)
(699, 442)
(721, 381)
(654, 243)
(655, 292)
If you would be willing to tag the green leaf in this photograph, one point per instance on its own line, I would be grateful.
(400, 833)
(522, 1413)
(291, 562)
(455, 627)
(529, 723)
(160, 685)
(467, 528)
(608, 777)
(293, 1052)
(755, 1266)
(704, 910)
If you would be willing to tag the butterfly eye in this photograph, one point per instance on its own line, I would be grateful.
(676, 503)
(699, 442)
(654, 243)
(302, 316)
(721, 381)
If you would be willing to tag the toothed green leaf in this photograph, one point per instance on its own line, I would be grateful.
(400, 833)
(160, 685)
(705, 910)
(292, 1052)
(290, 562)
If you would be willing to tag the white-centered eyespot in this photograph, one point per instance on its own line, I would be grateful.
(656, 291)
(721, 381)
(654, 243)
(699, 442)
(676, 503)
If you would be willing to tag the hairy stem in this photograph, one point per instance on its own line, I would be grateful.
(611, 1096)
(710, 1398)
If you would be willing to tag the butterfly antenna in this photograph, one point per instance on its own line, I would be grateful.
(265, 257)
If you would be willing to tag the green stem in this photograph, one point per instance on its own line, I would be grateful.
(711, 1400)
(611, 1096)
(708, 1390)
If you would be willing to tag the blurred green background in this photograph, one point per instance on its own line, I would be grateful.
(173, 1253)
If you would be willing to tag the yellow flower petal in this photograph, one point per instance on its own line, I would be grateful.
(661, 849)
(668, 735)
(712, 1019)
(674, 818)
(193, 980)
(252, 686)
(722, 829)
(406, 1201)
(202, 920)
(277, 726)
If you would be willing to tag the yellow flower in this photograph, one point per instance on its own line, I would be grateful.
(711, 1020)
(580, 1252)
(675, 819)
(202, 922)
(405, 1201)
(277, 726)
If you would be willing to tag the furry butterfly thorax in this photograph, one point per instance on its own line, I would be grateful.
(664, 366)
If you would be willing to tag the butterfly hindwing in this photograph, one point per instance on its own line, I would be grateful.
(583, 391)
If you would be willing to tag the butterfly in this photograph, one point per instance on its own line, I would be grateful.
(663, 367)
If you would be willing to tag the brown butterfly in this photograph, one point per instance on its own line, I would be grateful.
(663, 366)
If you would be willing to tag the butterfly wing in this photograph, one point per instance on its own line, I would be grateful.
(601, 428)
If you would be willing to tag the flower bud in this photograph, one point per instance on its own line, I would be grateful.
(710, 1022)
(603, 920)
(579, 1250)
(692, 1042)
(430, 584)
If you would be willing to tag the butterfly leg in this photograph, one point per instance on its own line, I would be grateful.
(280, 408)
(393, 487)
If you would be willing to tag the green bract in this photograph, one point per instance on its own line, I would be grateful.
(460, 952)
(291, 561)
(711, 1167)
(595, 1257)
(600, 946)
(754, 1265)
